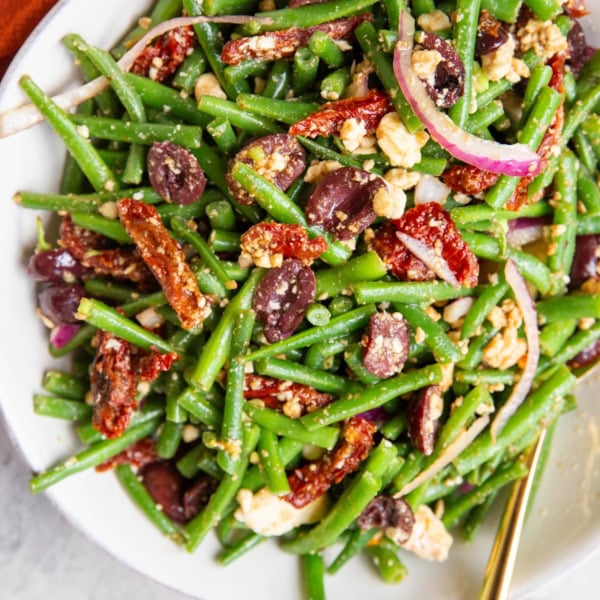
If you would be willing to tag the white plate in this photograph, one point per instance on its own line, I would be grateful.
(564, 525)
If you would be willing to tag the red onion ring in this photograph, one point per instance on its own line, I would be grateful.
(63, 334)
(521, 389)
(515, 159)
(26, 116)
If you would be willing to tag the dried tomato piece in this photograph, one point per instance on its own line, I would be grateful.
(312, 480)
(386, 343)
(175, 173)
(150, 366)
(576, 8)
(468, 179)
(92, 250)
(330, 117)
(579, 51)
(386, 511)
(162, 58)
(137, 455)
(278, 157)
(491, 34)
(274, 45)
(267, 244)
(423, 416)
(403, 264)
(448, 83)
(282, 297)
(293, 399)
(113, 385)
(342, 202)
(166, 260)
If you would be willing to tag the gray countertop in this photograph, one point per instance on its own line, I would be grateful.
(43, 556)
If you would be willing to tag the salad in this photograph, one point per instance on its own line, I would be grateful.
(324, 272)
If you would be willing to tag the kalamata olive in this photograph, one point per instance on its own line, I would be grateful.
(491, 34)
(585, 260)
(60, 302)
(57, 265)
(282, 297)
(386, 343)
(278, 157)
(197, 495)
(424, 414)
(449, 82)
(579, 51)
(386, 511)
(342, 202)
(175, 173)
(165, 484)
(588, 356)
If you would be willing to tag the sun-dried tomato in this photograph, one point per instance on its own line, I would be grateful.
(312, 480)
(268, 243)
(274, 45)
(162, 58)
(576, 8)
(403, 264)
(112, 385)
(468, 179)
(293, 399)
(491, 34)
(93, 251)
(166, 260)
(138, 454)
(150, 366)
(330, 117)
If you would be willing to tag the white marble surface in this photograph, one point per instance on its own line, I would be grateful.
(42, 556)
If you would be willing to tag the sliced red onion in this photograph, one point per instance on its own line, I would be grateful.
(431, 189)
(515, 159)
(457, 309)
(525, 230)
(521, 389)
(26, 116)
(63, 334)
(449, 454)
(434, 261)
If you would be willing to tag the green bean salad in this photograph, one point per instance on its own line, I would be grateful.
(324, 269)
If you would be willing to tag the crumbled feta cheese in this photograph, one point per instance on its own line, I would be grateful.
(267, 514)
(434, 21)
(351, 133)
(429, 539)
(319, 168)
(402, 148)
(208, 85)
(359, 86)
(108, 210)
(543, 37)
(502, 63)
(506, 348)
(425, 64)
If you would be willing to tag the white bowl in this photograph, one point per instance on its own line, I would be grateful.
(564, 524)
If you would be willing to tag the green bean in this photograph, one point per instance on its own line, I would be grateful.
(92, 456)
(253, 124)
(443, 348)
(577, 343)
(532, 134)
(502, 477)
(110, 228)
(538, 404)
(465, 36)
(544, 9)
(231, 428)
(271, 465)
(366, 34)
(463, 215)
(482, 306)
(476, 516)
(223, 134)
(278, 81)
(357, 541)
(188, 464)
(484, 117)
(317, 314)
(568, 307)
(377, 395)
(555, 334)
(321, 45)
(488, 376)
(278, 423)
(224, 241)
(504, 10)
(385, 558)
(138, 493)
(200, 525)
(313, 576)
(84, 335)
(588, 225)
(353, 356)
(196, 404)
(351, 503)
(61, 408)
(587, 191)
(578, 113)
(215, 352)
(169, 439)
(286, 111)
(340, 305)
(104, 128)
(65, 385)
(324, 153)
(564, 224)
(539, 78)
(80, 147)
(334, 84)
(304, 71)
(188, 72)
(291, 371)
(240, 547)
(407, 292)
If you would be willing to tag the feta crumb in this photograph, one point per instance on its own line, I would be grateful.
(319, 168)
(401, 147)
(108, 210)
(434, 21)
(351, 133)
(543, 37)
(208, 85)
(267, 514)
(425, 63)
(502, 63)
